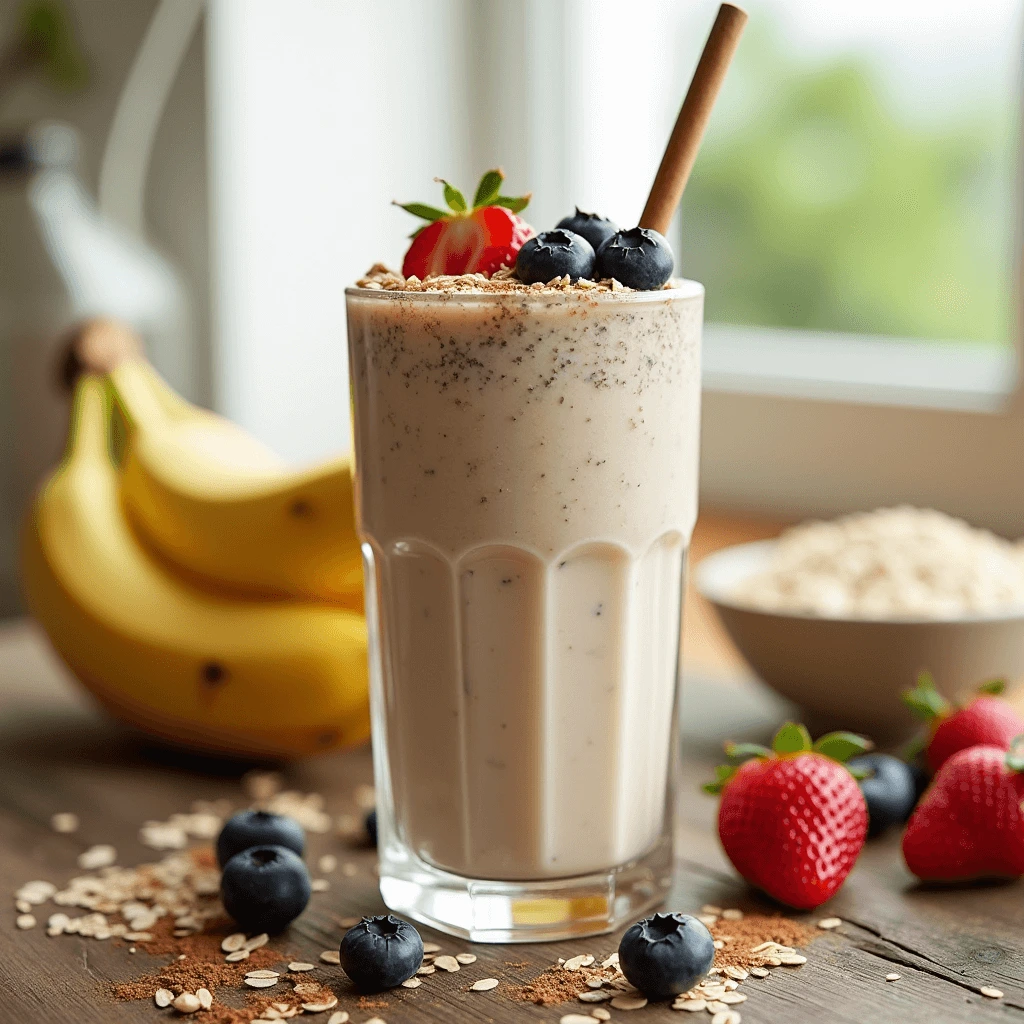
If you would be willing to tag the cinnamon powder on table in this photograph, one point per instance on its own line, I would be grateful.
(751, 930)
(557, 985)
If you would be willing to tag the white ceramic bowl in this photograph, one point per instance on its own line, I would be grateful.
(849, 673)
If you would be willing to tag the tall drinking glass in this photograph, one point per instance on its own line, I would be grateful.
(526, 478)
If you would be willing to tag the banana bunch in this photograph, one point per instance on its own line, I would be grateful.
(201, 590)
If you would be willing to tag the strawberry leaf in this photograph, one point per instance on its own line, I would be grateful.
(860, 772)
(841, 746)
(925, 700)
(792, 739)
(723, 773)
(516, 205)
(744, 751)
(489, 187)
(993, 688)
(453, 197)
(430, 213)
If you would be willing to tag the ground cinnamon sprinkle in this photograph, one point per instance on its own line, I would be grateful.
(203, 967)
(558, 985)
(555, 986)
(368, 1003)
(753, 929)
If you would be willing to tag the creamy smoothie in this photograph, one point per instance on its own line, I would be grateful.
(527, 487)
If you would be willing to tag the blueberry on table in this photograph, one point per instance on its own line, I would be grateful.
(380, 953)
(889, 791)
(258, 828)
(265, 888)
(639, 258)
(554, 254)
(592, 226)
(371, 827)
(666, 954)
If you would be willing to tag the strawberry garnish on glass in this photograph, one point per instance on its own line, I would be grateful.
(792, 819)
(465, 240)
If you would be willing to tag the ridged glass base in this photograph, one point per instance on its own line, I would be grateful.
(543, 911)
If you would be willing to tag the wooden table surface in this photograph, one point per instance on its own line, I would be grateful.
(57, 753)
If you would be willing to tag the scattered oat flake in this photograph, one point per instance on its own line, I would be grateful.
(484, 985)
(448, 963)
(411, 983)
(163, 997)
(828, 923)
(35, 893)
(600, 1013)
(330, 956)
(726, 1017)
(187, 1003)
(427, 969)
(611, 961)
(319, 885)
(732, 915)
(327, 863)
(465, 958)
(892, 977)
(991, 993)
(256, 941)
(205, 997)
(319, 1007)
(691, 1005)
(260, 982)
(576, 1018)
(262, 973)
(710, 908)
(365, 797)
(99, 856)
(576, 962)
(791, 959)
(298, 966)
(233, 942)
(25, 921)
(760, 972)
(629, 1002)
(595, 996)
(341, 1017)
(237, 955)
(64, 822)
(431, 947)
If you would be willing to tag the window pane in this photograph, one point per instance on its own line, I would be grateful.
(859, 173)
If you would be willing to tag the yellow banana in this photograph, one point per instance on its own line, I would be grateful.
(214, 502)
(278, 678)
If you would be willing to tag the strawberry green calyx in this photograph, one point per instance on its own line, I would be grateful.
(925, 701)
(791, 740)
(488, 193)
(993, 688)
(930, 706)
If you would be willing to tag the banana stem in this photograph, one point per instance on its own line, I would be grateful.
(89, 429)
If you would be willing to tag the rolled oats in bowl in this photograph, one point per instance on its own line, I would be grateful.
(895, 563)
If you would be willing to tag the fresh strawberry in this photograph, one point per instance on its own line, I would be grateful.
(985, 721)
(970, 823)
(467, 241)
(792, 819)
